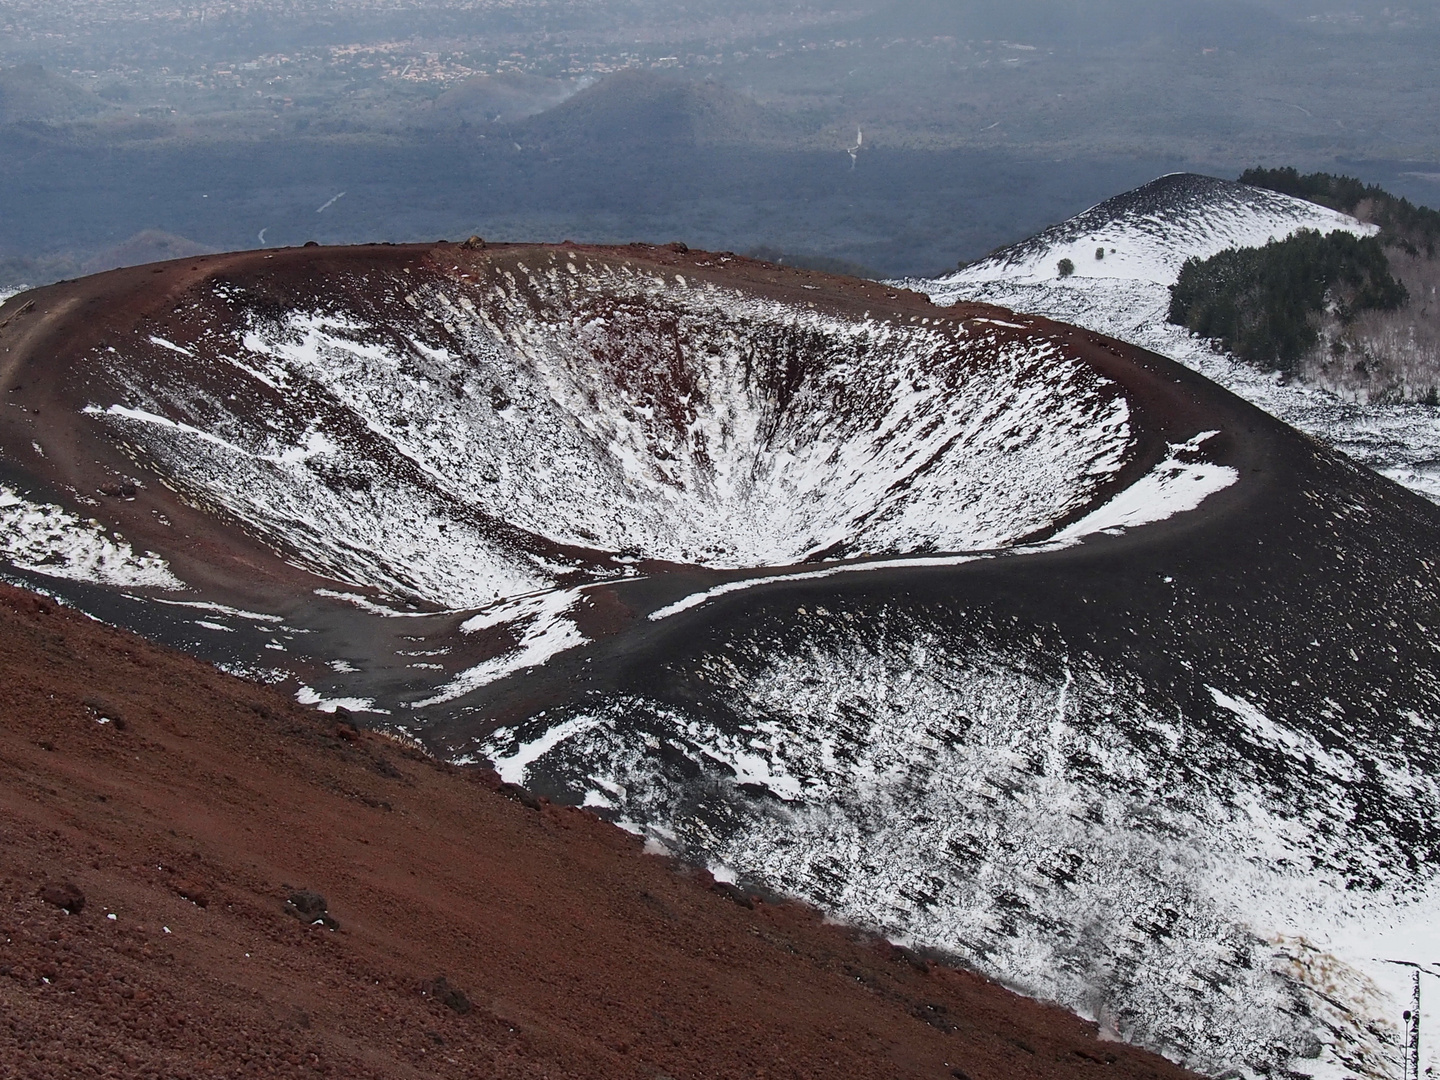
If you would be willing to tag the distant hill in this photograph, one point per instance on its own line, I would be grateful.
(639, 108)
(29, 92)
(1147, 234)
(146, 246)
(503, 98)
(1373, 367)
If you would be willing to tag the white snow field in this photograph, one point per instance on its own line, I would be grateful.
(1147, 234)
(587, 403)
(1181, 482)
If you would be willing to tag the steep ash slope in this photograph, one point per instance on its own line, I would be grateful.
(1004, 637)
(1147, 234)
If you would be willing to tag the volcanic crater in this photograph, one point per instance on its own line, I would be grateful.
(444, 429)
(531, 399)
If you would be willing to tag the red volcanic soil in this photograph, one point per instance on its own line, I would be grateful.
(189, 818)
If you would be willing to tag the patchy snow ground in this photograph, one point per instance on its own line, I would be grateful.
(1126, 295)
(1041, 819)
(543, 627)
(48, 539)
(685, 603)
(307, 695)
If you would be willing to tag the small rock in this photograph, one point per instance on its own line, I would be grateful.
(483, 774)
(935, 1015)
(310, 907)
(67, 897)
(105, 712)
(734, 893)
(523, 796)
(451, 997)
(909, 956)
(196, 894)
(383, 766)
(307, 902)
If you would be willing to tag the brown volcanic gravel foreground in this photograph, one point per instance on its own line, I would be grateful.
(580, 955)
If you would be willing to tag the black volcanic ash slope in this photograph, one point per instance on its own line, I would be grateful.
(1131, 700)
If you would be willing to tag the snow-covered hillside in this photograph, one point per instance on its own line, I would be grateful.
(1188, 876)
(1147, 234)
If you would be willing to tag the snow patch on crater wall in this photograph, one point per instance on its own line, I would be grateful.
(47, 539)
